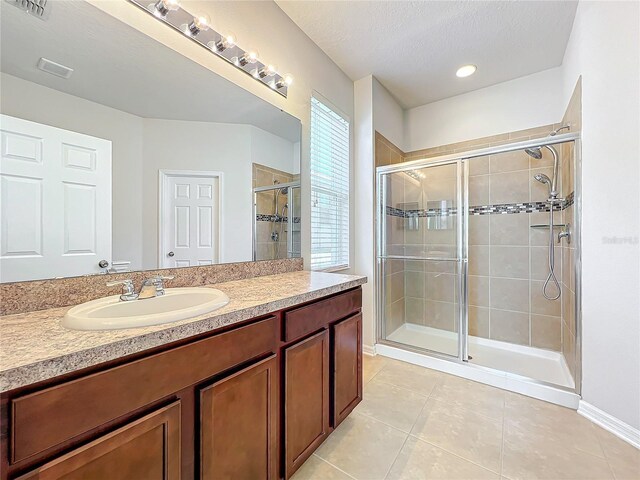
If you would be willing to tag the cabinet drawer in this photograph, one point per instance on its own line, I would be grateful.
(148, 448)
(310, 318)
(48, 417)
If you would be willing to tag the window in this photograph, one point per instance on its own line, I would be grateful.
(329, 188)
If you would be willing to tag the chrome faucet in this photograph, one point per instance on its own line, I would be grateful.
(128, 289)
(151, 287)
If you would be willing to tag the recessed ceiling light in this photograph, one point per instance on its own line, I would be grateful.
(466, 70)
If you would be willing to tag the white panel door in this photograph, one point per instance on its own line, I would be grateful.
(190, 209)
(55, 201)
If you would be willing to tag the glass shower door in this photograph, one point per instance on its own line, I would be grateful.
(420, 253)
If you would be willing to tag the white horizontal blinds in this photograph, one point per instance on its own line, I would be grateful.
(329, 188)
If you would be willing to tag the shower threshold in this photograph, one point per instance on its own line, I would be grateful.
(522, 369)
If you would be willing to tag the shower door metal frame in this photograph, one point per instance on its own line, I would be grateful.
(461, 251)
(464, 158)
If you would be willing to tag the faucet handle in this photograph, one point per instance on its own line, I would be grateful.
(128, 289)
(158, 281)
(127, 285)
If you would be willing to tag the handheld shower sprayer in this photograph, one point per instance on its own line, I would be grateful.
(552, 183)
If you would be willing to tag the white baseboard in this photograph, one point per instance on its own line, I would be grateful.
(610, 423)
(369, 350)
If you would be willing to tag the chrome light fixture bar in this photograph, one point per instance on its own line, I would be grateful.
(198, 28)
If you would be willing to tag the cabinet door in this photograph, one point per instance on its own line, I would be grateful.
(306, 399)
(239, 425)
(145, 449)
(347, 367)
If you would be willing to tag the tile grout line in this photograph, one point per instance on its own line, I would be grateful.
(457, 455)
(332, 465)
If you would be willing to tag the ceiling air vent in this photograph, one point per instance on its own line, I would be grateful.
(54, 68)
(37, 8)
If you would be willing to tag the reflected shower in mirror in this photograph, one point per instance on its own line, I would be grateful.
(120, 154)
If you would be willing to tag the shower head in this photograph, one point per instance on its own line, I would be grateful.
(534, 152)
(542, 178)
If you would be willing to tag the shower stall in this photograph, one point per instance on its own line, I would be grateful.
(276, 221)
(478, 263)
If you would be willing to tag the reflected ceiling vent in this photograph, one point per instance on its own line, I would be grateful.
(37, 8)
(54, 68)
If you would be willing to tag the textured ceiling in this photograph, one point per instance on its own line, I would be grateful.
(414, 48)
(118, 66)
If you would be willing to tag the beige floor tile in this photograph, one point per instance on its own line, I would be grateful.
(475, 396)
(317, 469)
(392, 405)
(460, 431)
(532, 454)
(560, 424)
(371, 365)
(420, 460)
(419, 379)
(623, 458)
(362, 447)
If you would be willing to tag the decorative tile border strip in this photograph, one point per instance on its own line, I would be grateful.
(274, 218)
(500, 209)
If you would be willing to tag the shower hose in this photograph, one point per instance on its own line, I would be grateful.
(552, 276)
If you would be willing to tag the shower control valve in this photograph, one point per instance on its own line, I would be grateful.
(566, 233)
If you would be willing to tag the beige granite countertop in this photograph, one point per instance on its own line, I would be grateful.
(35, 347)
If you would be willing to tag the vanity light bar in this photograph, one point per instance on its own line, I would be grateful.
(198, 28)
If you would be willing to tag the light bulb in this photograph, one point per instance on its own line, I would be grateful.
(248, 57)
(466, 70)
(285, 81)
(226, 41)
(268, 71)
(229, 40)
(162, 7)
(201, 22)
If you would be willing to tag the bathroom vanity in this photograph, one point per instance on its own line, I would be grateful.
(249, 391)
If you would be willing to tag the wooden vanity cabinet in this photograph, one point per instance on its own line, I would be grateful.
(306, 398)
(144, 448)
(239, 424)
(247, 401)
(347, 367)
(322, 356)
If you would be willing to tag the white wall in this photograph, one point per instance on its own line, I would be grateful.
(364, 226)
(273, 151)
(34, 102)
(603, 48)
(279, 41)
(519, 104)
(375, 110)
(388, 116)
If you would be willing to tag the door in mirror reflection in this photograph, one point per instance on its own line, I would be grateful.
(190, 218)
(55, 201)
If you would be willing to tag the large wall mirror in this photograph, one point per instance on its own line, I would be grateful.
(137, 159)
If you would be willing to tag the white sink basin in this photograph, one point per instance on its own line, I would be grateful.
(110, 313)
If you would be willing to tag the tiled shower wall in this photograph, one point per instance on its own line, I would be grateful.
(266, 248)
(507, 258)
